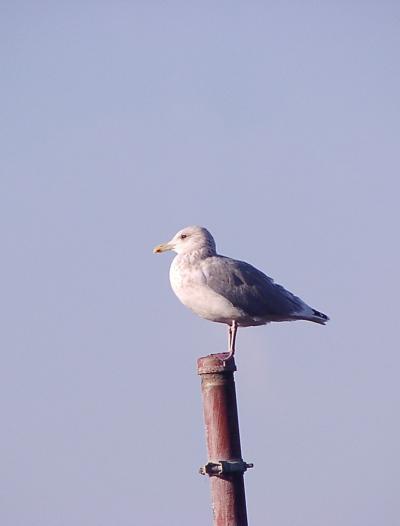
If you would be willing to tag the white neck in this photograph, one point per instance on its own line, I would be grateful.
(196, 255)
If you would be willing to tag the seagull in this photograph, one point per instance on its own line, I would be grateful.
(226, 290)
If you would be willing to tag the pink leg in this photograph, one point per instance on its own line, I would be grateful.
(231, 339)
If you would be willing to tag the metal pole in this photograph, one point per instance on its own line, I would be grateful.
(225, 464)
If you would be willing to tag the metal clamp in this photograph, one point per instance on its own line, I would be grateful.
(225, 467)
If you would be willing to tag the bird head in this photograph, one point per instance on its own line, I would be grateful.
(189, 239)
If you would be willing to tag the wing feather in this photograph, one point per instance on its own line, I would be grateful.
(250, 289)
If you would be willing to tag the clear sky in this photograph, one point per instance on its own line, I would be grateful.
(277, 126)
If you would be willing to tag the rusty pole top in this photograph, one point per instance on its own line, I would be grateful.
(225, 464)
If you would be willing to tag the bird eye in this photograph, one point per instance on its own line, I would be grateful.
(183, 236)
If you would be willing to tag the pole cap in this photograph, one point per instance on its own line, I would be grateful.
(216, 363)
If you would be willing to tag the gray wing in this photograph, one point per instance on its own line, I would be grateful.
(250, 289)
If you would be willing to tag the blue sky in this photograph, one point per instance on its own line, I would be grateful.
(276, 126)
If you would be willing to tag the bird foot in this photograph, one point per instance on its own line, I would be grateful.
(225, 356)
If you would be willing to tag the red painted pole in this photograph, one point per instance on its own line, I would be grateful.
(225, 464)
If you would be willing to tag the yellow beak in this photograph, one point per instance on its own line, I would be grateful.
(162, 248)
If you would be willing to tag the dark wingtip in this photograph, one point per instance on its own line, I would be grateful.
(323, 317)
